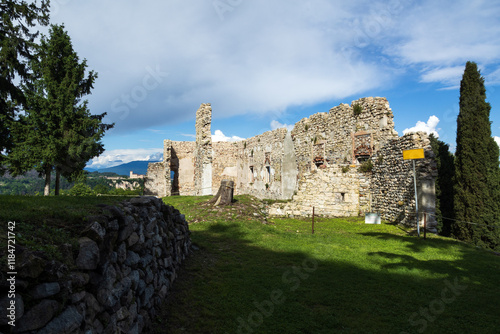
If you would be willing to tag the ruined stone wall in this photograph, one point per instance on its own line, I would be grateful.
(225, 164)
(157, 180)
(392, 185)
(306, 161)
(343, 190)
(330, 135)
(260, 165)
(183, 166)
(203, 153)
(114, 281)
(332, 191)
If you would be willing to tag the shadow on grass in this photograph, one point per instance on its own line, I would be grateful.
(233, 285)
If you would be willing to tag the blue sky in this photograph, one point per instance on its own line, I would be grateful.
(263, 64)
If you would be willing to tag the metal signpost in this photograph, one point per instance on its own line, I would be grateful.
(414, 155)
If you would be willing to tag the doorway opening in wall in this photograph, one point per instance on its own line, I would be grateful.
(252, 177)
(174, 178)
(174, 174)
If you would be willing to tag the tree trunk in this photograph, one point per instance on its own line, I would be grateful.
(46, 190)
(58, 182)
(225, 194)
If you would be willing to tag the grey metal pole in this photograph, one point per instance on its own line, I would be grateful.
(416, 197)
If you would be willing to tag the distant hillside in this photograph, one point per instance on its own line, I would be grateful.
(138, 167)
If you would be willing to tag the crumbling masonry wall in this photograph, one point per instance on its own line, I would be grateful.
(341, 136)
(203, 153)
(315, 164)
(183, 168)
(392, 185)
(157, 181)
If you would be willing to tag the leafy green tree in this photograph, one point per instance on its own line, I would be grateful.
(476, 166)
(58, 132)
(81, 189)
(101, 189)
(445, 161)
(16, 46)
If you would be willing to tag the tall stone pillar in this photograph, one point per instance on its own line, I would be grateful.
(203, 153)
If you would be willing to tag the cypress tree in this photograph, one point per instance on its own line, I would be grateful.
(445, 162)
(476, 166)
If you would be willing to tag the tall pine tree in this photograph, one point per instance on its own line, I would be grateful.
(477, 170)
(16, 47)
(58, 132)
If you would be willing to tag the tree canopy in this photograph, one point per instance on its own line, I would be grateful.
(16, 47)
(57, 131)
(477, 192)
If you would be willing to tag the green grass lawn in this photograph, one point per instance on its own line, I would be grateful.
(349, 277)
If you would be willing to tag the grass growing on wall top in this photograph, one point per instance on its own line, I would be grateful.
(44, 223)
(348, 277)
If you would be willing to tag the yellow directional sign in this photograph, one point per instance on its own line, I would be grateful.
(413, 154)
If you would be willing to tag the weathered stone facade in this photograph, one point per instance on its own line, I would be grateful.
(315, 164)
(203, 153)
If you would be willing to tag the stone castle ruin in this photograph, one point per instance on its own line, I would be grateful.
(324, 162)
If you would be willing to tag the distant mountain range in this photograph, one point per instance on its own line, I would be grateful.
(138, 167)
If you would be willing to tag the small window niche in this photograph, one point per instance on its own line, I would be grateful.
(319, 153)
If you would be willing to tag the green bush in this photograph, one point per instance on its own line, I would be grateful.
(101, 189)
(357, 109)
(366, 167)
(81, 189)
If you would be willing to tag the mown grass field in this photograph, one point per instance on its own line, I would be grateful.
(349, 277)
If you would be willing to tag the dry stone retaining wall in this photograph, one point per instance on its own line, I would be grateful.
(114, 282)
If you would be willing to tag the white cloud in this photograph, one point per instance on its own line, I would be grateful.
(497, 139)
(493, 78)
(112, 158)
(448, 75)
(277, 125)
(429, 127)
(263, 56)
(219, 136)
(181, 54)
(445, 32)
(442, 35)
